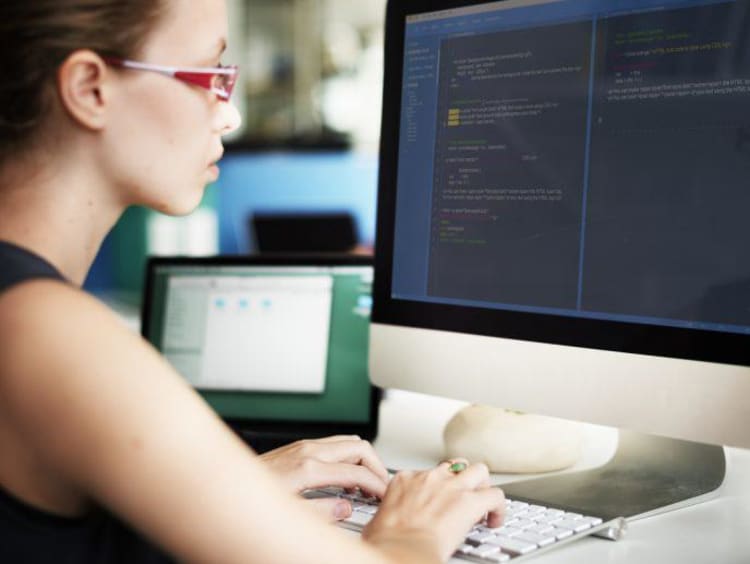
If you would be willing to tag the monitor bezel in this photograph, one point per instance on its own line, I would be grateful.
(617, 336)
(299, 428)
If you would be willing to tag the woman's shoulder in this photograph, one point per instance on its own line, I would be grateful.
(49, 330)
(35, 304)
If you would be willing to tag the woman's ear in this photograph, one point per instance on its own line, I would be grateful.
(81, 82)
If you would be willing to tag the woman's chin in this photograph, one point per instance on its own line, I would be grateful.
(181, 206)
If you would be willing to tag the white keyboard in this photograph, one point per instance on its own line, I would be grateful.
(528, 529)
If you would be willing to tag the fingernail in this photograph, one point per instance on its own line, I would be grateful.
(342, 510)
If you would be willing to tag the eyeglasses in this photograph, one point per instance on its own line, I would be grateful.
(218, 80)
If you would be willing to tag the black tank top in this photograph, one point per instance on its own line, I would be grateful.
(32, 536)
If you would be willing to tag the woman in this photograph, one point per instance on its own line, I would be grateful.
(96, 430)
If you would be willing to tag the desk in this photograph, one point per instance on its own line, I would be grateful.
(716, 531)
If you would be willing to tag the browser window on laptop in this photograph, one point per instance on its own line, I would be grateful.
(277, 346)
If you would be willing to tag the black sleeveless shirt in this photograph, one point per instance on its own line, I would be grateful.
(32, 536)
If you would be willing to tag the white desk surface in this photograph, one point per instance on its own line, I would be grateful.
(716, 531)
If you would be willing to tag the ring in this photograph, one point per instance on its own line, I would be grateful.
(456, 465)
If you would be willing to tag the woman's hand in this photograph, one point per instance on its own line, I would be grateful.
(343, 461)
(435, 508)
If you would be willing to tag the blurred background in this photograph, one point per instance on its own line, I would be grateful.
(301, 172)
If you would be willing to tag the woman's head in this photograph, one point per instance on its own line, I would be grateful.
(36, 37)
(152, 136)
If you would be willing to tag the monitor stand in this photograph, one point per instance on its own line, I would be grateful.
(646, 476)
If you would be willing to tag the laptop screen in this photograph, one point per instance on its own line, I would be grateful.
(267, 342)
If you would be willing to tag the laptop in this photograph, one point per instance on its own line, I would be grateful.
(277, 345)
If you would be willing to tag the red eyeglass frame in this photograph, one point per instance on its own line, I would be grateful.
(204, 77)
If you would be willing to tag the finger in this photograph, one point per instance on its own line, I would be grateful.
(355, 452)
(489, 501)
(344, 475)
(475, 476)
(307, 443)
(402, 475)
(330, 509)
(445, 465)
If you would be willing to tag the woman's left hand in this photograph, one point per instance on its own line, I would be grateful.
(343, 461)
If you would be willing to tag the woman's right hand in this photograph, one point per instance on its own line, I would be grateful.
(435, 508)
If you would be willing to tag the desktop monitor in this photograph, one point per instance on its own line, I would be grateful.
(563, 221)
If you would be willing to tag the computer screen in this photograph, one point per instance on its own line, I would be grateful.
(282, 341)
(586, 159)
(562, 214)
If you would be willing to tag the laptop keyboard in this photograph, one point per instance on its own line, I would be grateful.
(528, 529)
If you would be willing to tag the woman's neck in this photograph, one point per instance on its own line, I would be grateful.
(60, 212)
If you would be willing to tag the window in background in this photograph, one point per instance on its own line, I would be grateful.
(311, 70)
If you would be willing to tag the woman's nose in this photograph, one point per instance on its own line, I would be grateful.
(227, 118)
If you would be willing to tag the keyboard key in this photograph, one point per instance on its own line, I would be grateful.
(498, 557)
(332, 491)
(524, 524)
(484, 550)
(593, 521)
(479, 537)
(540, 529)
(535, 510)
(541, 540)
(516, 513)
(577, 526)
(465, 548)
(358, 518)
(561, 534)
(485, 529)
(513, 546)
(508, 531)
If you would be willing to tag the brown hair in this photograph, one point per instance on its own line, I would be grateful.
(36, 36)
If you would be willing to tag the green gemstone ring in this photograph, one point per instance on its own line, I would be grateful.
(457, 467)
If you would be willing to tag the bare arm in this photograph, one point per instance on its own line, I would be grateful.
(131, 434)
(115, 420)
